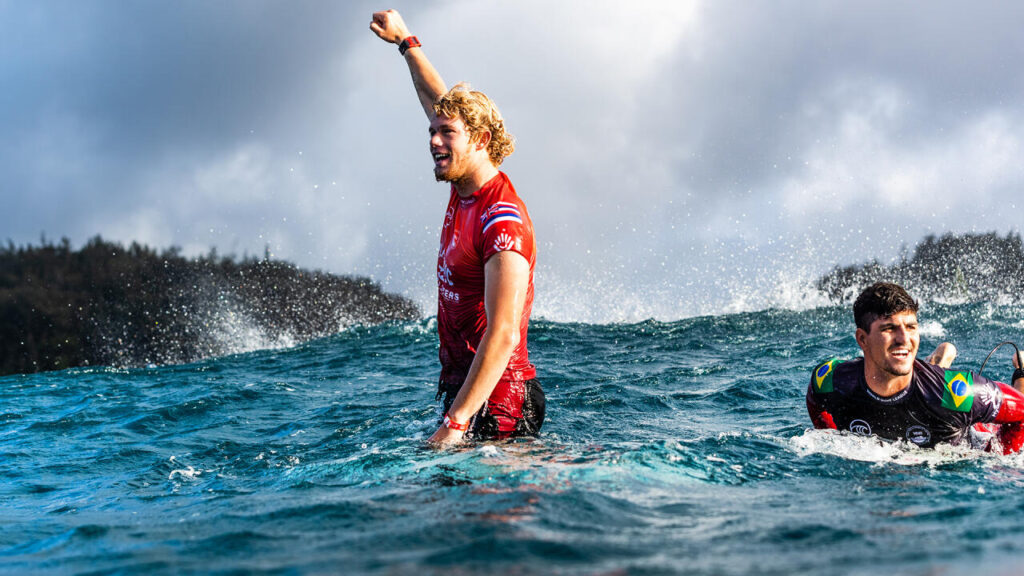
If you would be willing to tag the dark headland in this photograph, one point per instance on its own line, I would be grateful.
(961, 268)
(106, 304)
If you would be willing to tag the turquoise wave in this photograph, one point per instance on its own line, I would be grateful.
(670, 447)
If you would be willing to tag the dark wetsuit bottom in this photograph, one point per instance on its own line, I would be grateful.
(515, 409)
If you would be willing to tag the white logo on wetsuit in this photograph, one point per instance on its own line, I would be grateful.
(919, 434)
(988, 397)
(860, 428)
(504, 242)
(444, 274)
(447, 294)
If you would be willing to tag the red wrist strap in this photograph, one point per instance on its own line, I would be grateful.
(410, 42)
(452, 424)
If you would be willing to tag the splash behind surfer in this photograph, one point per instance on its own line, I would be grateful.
(485, 263)
(891, 394)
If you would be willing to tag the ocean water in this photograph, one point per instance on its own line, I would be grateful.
(670, 448)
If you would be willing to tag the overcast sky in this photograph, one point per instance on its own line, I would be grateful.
(677, 158)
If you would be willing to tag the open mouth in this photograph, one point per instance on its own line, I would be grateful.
(440, 157)
(900, 354)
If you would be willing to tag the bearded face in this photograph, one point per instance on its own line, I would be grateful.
(451, 146)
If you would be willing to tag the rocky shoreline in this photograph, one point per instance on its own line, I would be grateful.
(106, 304)
(963, 268)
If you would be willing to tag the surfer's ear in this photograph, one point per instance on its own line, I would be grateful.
(483, 139)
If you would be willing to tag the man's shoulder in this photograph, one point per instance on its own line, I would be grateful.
(955, 389)
(922, 366)
(828, 376)
(500, 188)
(500, 207)
(936, 376)
(839, 365)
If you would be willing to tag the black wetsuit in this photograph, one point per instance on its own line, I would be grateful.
(939, 405)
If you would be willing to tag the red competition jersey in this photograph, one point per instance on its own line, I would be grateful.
(492, 220)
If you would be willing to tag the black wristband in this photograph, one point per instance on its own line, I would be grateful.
(410, 42)
(1018, 373)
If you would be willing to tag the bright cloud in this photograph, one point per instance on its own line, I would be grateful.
(677, 157)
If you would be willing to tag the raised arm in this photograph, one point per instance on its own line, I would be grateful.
(389, 26)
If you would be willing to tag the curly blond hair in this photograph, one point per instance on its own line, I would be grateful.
(480, 115)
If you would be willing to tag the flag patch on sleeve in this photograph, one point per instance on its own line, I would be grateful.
(501, 212)
(959, 391)
(823, 377)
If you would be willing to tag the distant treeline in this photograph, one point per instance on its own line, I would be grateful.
(110, 305)
(968, 267)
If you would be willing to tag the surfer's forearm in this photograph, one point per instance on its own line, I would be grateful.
(1018, 371)
(483, 377)
(389, 26)
(506, 280)
(425, 78)
(489, 364)
(944, 355)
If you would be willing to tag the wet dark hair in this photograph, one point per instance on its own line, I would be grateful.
(879, 300)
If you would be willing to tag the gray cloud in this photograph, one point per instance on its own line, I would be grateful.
(677, 158)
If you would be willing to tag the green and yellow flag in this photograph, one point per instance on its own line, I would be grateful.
(823, 377)
(959, 392)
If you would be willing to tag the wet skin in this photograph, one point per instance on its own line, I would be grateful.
(890, 347)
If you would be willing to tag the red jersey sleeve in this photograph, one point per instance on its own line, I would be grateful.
(505, 226)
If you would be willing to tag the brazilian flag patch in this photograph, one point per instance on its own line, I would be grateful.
(823, 377)
(959, 392)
